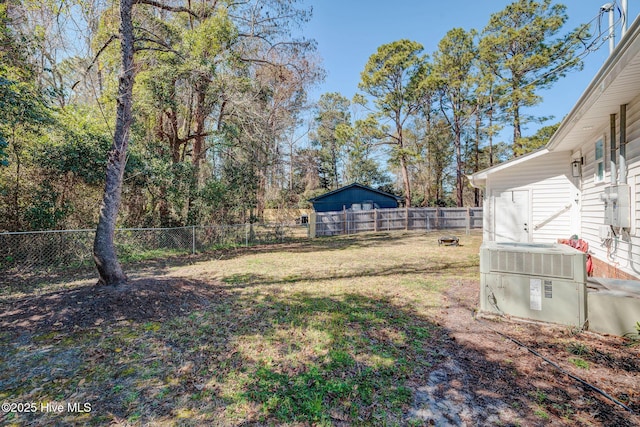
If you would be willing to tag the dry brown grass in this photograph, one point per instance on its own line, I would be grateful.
(324, 331)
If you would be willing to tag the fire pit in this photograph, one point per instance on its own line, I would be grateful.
(448, 241)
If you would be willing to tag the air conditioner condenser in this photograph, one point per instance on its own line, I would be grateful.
(544, 282)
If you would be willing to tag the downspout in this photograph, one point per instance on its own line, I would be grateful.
(623, 144)
(612, 138)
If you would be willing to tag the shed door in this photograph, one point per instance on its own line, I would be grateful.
(511, 216)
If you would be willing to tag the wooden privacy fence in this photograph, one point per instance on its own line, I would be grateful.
(349, 221)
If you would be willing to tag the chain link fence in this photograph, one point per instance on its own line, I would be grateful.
(45, 250)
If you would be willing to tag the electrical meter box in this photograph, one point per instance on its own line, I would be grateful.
(617, 208)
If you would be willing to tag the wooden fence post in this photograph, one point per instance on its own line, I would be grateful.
(437, 218)
(406, 217)
(375, 220)
(345, 227)
(312, 224)
(468, 220)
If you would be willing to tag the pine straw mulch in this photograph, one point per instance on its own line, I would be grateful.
(492, 365)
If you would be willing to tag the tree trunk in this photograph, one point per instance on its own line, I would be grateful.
(104, 252)
(17, 221)
(200, 117)
(491, 133)
(459, 166)
(517, 134)
(476, 158)
(403, 162)
(405, 179)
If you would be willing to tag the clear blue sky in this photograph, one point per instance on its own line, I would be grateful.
(349, 31)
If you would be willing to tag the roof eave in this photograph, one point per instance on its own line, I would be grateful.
(616, 63)
(479, 179)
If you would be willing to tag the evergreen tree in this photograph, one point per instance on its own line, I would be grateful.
(331, 112)
(452, 78)
(519, 46)
(392, 78)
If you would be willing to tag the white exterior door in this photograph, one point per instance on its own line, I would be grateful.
(511, 216)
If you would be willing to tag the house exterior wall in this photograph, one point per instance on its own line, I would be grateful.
(553, 197)
(621, 251)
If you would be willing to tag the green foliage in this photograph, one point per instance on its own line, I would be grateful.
(539, 395)
(22, 107)
(211, 38)
(519, 44)
(299, 397)
(45, 212)
(393, 78)
(531, 143)
(76, 145)
(452, 80)
(21, 103)
(578, 349)
(360, 141)
(332, 126)
(579, 363)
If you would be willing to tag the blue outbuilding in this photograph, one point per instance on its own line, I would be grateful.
(354, 197)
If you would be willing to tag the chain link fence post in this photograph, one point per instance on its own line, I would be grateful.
(193, 240)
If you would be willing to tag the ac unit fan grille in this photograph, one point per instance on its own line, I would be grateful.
(535, 264)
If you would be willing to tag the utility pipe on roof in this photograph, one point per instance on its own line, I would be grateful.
(608, 7)
(612, 138)
(612, 31)
(623, 144)
(623, 30)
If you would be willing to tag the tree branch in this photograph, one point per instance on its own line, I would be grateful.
(95, 58)
(164, 47)
(167, 7)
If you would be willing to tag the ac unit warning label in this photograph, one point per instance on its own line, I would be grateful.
(535, 294)
(548, 289)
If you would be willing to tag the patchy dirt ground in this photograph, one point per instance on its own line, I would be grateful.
(489, 379)
(483, 379)
(89, 306)
(478, 372)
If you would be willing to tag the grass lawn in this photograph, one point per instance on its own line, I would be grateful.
(329, 331)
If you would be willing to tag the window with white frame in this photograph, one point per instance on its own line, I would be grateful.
(599, 166)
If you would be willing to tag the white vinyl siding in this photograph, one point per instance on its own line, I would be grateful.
(553, 194)
(624, 252)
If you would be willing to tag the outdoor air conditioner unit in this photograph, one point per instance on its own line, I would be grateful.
(543, 282)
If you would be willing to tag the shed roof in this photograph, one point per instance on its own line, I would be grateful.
(364, 187)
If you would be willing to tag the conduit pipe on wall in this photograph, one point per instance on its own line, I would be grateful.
(612, 138)
(623, 145)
